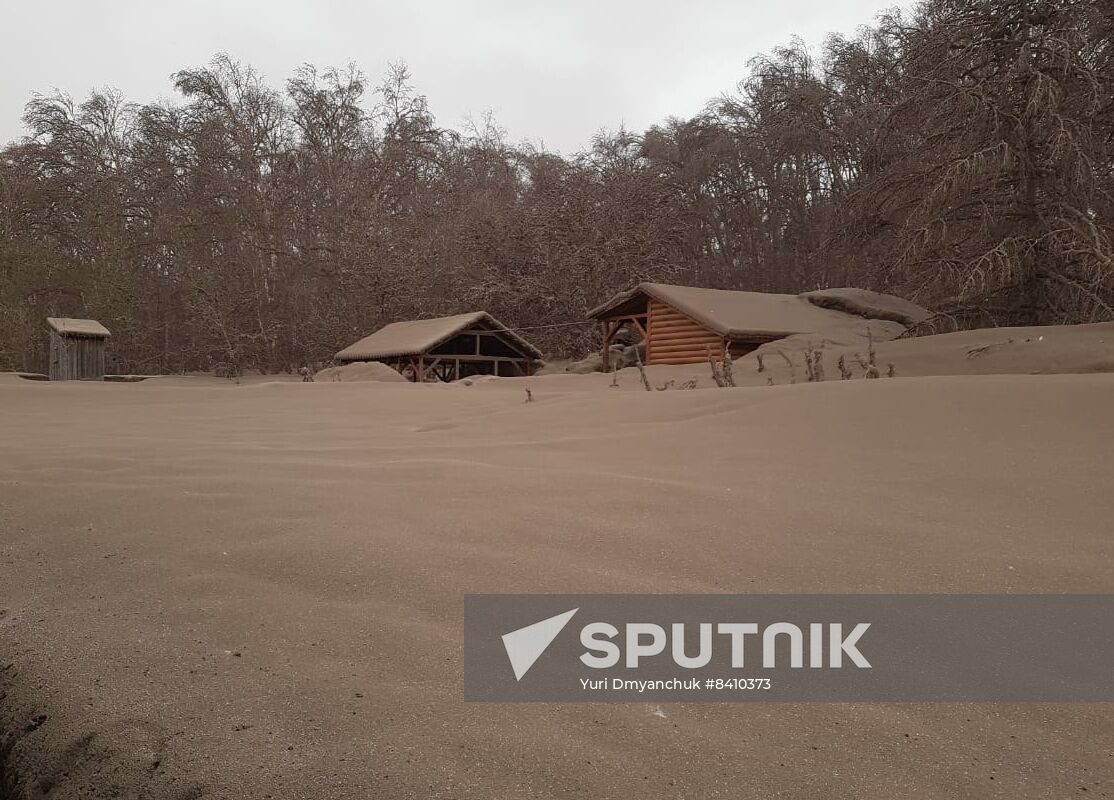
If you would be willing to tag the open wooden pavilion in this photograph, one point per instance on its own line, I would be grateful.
(447, 348)
(684, 324)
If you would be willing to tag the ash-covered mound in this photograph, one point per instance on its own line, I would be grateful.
(872, 305)
(359, 371)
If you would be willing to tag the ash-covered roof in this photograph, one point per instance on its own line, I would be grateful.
(422, 335)
(88, 328)
(737, 315)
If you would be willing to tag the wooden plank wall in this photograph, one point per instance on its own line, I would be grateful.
(76, 358)
(673, 338)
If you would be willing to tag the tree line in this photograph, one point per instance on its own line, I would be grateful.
(960, 155)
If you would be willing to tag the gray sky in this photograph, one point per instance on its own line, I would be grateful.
(553, 72)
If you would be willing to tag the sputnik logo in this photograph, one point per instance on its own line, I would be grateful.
(525, 645)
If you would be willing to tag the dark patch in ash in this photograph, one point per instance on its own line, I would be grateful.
(39, 756)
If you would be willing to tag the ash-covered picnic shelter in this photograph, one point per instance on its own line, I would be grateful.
(447, 348)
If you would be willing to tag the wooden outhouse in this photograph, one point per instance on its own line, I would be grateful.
(76, 349)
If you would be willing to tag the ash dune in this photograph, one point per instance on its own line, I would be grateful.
(211, 590)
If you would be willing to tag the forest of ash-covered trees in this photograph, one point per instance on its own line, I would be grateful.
(959, 155)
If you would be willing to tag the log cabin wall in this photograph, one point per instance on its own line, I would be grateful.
(673, 338)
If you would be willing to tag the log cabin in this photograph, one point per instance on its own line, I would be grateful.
(447, 348)
(686, 324)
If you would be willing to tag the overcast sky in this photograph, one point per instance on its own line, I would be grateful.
(552, 72)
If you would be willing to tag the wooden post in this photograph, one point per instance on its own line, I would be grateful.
(607, 333)
(495, 368)
(456, 372)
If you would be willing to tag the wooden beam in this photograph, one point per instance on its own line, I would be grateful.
(469, 358)
(666, 352)
(700, 359)
(673, 324)
(685, 338)
(623, 317)
(498, 334)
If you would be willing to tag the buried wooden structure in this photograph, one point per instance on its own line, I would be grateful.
(687, 324)
(447, 348)
(76, 349)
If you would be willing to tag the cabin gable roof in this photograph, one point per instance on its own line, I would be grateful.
(760, 315)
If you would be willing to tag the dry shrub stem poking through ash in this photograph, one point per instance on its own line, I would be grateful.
(717, 376)
(814, 364)
(672, 384)
(642, 371)
(792, 366)
(869, 364)
(728, 367)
